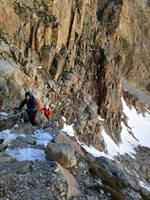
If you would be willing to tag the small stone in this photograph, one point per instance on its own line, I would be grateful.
(63, 194)
(101, 191)
(1, 141)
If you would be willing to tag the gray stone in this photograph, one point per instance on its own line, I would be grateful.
(64, 139)
(24, 144)
(7, 124)
(41, 119)
(62, 153)
(1, 141)
(3, 85)
(5, 158)
(15, 167)
(52, 129)
(27, 139)
(5, 66)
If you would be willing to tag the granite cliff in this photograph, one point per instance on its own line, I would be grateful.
(82, 57)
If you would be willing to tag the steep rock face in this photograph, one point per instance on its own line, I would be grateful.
(124, 25)
(122, 51)
(74, 53)
(57, 39)
(51, 51)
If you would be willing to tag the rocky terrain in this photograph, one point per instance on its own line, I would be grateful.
(75, 57)
(26, 174)
(82, 57)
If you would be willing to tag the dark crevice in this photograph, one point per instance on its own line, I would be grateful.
(100, 61)
(70, 28)
(29, 45)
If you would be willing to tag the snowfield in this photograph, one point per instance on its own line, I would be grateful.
(41, 138)
(140, 126)
(27, 154)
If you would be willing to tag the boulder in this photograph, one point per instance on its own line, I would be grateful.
(28, 139)
(8, 123)
(62, 153)
(41, 119)
(24, 128)
(64, 139)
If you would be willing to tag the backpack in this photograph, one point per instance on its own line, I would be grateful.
(39, 104)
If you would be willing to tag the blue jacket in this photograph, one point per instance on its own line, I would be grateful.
(31, 104)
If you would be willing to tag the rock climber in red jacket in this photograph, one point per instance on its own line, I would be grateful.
(46, 111)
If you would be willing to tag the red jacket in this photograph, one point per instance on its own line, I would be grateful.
(47, 112)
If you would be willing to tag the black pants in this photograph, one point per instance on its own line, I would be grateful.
(32, 116)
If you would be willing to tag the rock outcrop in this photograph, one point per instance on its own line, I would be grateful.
(117, 170)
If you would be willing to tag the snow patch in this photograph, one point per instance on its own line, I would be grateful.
(5, 134)
(113, 149)
(64, 119)
(42, 137)
(140, 127)
(27, 154)
(39, 67)
(127, 146)
(96, 153)
(4, 113)
(101, 119)
(68, 129)
(5, 66)
(139, 124)
(144, 185)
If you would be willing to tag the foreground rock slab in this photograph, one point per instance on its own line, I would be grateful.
(15, 167)
(73, 186)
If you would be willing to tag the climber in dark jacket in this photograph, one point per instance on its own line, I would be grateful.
(31, 107)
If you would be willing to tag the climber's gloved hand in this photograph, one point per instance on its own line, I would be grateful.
(17, 109)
